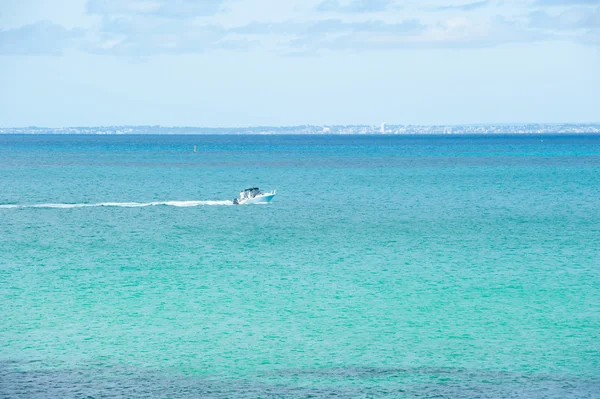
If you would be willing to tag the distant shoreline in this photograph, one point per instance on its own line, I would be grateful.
(383, 130)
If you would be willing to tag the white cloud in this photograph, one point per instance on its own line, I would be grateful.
(566, 2)
(354, 6)
(39, 38)
(462, 7)
(570, 19)
(159, 8)
(149, 27)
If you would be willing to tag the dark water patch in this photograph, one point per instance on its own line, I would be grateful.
(429, 382)
(19, 380)
(138, 383)
(329, 161)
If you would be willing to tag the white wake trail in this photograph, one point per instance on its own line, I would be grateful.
(180, 204)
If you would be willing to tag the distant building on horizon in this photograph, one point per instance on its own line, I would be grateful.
(382, 131)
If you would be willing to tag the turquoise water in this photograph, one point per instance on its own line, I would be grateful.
(395, 267)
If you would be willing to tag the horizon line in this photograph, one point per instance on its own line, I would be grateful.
(300, 125)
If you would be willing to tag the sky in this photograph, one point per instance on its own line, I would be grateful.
(234, 63)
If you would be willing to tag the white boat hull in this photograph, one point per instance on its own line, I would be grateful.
(259, 199)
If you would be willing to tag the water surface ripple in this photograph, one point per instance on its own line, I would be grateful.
(416, 267)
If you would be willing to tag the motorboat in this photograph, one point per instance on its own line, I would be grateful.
(254, 196)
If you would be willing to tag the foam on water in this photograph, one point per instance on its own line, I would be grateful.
(180, 204)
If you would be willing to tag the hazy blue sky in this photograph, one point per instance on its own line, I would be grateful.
(287, 62)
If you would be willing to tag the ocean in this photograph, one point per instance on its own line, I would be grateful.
(392, 267)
